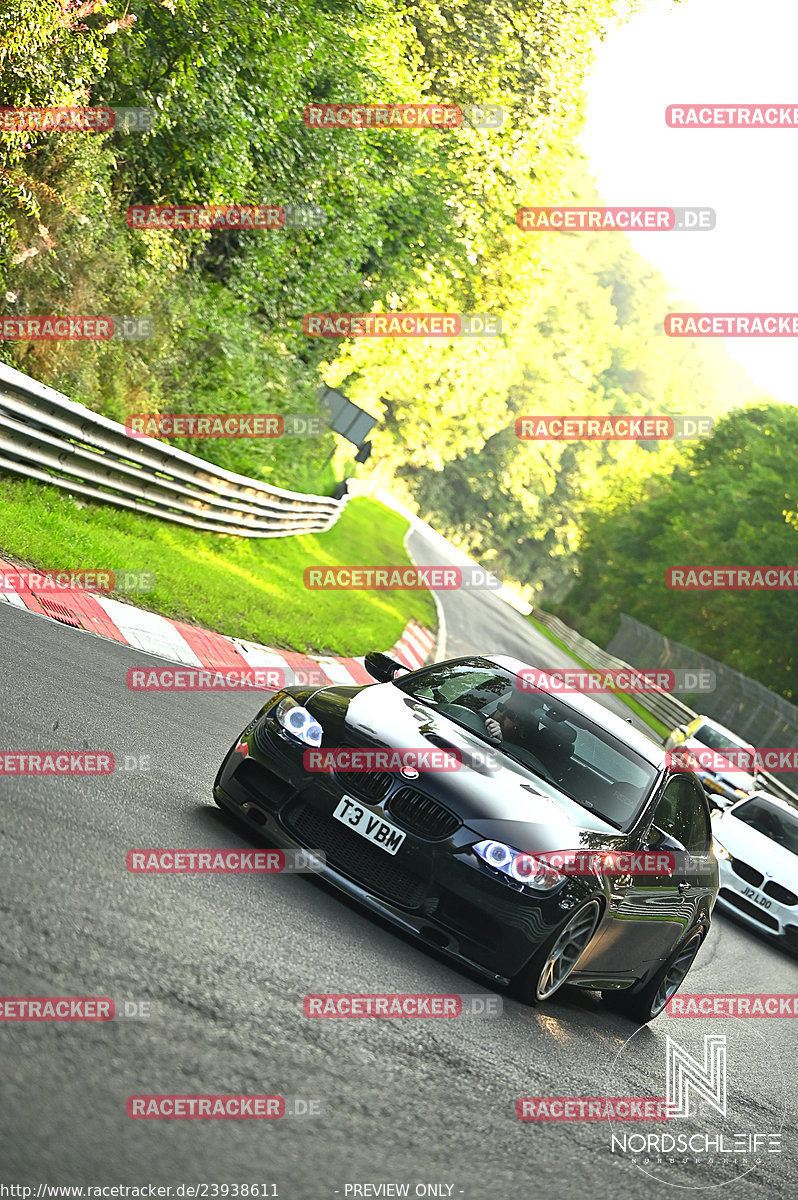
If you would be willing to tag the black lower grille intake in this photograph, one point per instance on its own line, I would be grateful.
(422, 815)
(464, 918)
(751, 910)
(351, 854)
(261, 784)
(782, 894)
(749, 874)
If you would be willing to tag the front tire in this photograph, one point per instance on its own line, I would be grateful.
(550, 966)
(647, 1004)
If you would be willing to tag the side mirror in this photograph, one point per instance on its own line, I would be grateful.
(658, 840)
(383, 667)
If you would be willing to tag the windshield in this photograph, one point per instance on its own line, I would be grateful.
(775, 823)
(707, 735)
(541, 732)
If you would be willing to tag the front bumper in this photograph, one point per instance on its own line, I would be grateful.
(751, 902)
(433, 889)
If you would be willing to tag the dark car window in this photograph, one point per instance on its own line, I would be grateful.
(718, 741)
(458, 684)
(682, 813)
(607, 760)
(701, 828)
(780, 826)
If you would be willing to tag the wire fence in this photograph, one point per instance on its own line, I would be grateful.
(745, 706)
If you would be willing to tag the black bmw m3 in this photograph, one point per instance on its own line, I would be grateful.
(557, 845)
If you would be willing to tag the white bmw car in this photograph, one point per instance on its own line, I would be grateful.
(756, 845)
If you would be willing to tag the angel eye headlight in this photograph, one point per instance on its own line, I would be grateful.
(496, 854)
(535, 873)
(524, 869)
(298, 722)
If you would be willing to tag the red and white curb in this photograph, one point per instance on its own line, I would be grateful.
(192, 647)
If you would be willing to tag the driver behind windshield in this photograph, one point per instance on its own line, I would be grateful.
(539, 734)
(507, 723)
(514, 720)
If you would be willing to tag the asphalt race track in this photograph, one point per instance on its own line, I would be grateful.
(225, 961)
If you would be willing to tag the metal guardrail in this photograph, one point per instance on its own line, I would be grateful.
(45, 436)
(662, 705)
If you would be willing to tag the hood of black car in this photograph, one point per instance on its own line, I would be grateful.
(505, 801)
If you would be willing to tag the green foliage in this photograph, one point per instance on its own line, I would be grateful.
(585, 338)
(414, 220)
(52, 52)
(729, 500)
(244, 587)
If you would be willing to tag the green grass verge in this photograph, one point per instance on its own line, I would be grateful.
(653, 723)
(244, 587)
